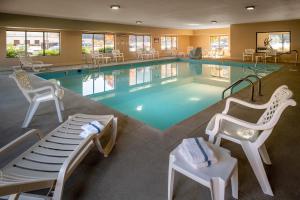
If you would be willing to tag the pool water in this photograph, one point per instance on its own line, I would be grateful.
(162, 93)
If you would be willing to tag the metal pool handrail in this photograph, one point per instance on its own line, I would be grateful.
(259, 82)
(242, 80)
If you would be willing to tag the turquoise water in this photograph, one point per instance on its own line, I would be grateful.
(162, 93)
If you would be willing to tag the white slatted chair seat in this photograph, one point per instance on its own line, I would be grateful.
(252, 136)
(51, 161)
(35, 96)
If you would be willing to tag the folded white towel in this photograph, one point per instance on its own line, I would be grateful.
(91, 128)
(197, 152)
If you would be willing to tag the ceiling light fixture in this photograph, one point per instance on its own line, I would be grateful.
(194, 24)
(139, 22)
(115, 7)
(249, 8)
(214, 22)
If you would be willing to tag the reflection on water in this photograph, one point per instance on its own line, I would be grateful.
(160, 95)
(97, 83)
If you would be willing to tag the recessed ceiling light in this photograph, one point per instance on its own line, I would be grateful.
(115, 7)
(250, 8)
(214, 22)
(139, 22)
(194, 24)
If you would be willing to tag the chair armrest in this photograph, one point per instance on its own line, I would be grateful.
(10, 146)
(241, 102)
(41, 89)
(219, 117)
(37, 62)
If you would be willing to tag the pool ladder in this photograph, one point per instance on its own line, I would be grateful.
(247, 79)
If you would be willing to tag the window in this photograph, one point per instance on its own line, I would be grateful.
(97, 42)
(168, 42)
(37, 43)
(52, 44)
(139, 42)
(279, 41)
(219, 41)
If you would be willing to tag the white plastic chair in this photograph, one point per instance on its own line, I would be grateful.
(154, 53)
(271, 53)
(252, 136)
(35, 96)
(36, 66)
(97, 58)
(117, 54)
(249, 53)
(215, 177)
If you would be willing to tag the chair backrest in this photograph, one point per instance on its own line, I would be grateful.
(139, 51)
(115, 52)
(271, 52)
(249, 51)
(25, 61)
(279, 101)
(23, 82)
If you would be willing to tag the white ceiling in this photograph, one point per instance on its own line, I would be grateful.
(159, 13)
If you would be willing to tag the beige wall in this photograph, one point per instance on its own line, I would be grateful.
(201, 38)
(243, 36)
(71, 31)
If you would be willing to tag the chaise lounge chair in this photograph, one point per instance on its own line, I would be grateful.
(35, 96)
(252, 136)
(36, 66)
(49, 162)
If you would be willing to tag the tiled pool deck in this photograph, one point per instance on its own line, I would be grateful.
(137, 168)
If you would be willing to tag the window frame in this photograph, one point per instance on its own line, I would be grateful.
(136, 49)
(93, 41)
(290, 34)
(27, 42)
(172, 47)
(219, 41)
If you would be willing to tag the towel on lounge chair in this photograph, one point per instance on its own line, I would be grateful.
(197, 152)
(91, 128)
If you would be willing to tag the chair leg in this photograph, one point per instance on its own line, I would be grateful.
(218, 141)
(61, 103)
(235, 183)
(170, 180)
(264, 154)
(258, 167)
(14, 196)
(217, 189)
(30, 112)
(58, 110)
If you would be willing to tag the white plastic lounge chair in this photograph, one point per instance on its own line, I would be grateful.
(249, 53)
(49, 162)
(252, 136)
(154, 53)
(35, 96)
(36, 66)
(117, 54)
